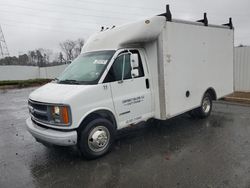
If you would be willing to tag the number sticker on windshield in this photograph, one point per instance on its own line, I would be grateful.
(100, 62)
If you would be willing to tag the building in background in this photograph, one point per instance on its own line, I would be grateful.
(242, 68)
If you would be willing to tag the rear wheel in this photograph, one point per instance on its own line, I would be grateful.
(96, 138)
(205, 109)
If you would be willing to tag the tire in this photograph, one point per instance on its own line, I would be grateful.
(206, 107)
(96, 138)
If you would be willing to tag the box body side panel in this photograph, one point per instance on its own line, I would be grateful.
(195, 58)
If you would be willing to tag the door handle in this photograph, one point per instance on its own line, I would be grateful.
(147, 83)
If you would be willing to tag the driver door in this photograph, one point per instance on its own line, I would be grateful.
(131, 95)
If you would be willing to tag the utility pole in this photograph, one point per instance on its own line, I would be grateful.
(3, 45)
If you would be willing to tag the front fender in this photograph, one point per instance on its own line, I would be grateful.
(99, 111)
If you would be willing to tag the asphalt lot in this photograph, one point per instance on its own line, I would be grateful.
(181, 152)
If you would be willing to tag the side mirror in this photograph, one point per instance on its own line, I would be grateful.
(134, 61)
(134, 73)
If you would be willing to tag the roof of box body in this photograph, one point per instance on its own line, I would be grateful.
(124, 35)
(132, 33)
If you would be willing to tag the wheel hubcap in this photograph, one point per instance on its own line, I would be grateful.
(98, 138)
(206, 105)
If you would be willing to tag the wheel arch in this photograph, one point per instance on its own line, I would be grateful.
(211, 92)
(103, 113)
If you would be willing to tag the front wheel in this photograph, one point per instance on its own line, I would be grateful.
(205, 109)
(96, 138)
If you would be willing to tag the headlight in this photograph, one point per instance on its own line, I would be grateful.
(60, 115)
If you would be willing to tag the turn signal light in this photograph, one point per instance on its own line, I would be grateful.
(65, 115)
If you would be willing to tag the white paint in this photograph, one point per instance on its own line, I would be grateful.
(187, 56)
(176, 56)
(29, 72)
(242, 69)
(52, 136)
(82, 99)
(132, 98)
(125, 35)
(196, 58)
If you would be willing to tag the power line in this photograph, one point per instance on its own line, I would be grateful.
(37, 15)
(158, 10)
(116, 5)
(36, 27)
(53, 11)
(82, 8)
(46, 25)
(67, 19)
(87, 15)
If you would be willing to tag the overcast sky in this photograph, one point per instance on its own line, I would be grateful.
(32, 24)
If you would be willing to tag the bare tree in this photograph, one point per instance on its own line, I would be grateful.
(36, 58)
(47, 54)
(59, 58)
(78, 48)
(68, 49)
(32, 57)
(72, 49)
(40, 59)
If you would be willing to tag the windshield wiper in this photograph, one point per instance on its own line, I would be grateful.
(68, 82)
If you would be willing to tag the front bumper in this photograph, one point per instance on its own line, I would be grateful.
(51, 136)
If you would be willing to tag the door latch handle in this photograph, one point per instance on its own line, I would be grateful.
(147, 83)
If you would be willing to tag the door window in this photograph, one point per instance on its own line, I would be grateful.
(121, 68)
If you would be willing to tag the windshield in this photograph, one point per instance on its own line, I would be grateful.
(86, 69)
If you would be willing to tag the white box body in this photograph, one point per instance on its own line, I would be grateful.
(192, 58)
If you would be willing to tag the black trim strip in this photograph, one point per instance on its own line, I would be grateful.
(124, 113)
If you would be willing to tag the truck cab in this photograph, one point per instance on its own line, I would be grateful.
(109, 86)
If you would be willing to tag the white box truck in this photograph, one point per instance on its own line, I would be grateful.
(155, 68)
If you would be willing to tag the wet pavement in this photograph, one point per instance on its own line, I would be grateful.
(181, 152)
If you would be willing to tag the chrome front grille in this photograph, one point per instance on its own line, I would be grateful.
(38, 111)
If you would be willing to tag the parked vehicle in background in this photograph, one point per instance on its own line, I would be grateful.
(155, 68)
